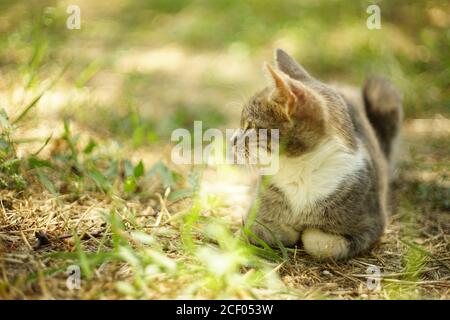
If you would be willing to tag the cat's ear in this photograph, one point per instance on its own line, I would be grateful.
(293, 96)
(288, 65)
(282, 93)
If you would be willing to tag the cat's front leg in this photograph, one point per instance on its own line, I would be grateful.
(323, 246)
(272, 222)
(274, 232)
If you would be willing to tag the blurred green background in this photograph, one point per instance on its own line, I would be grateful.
(102, 101)
(139, 69)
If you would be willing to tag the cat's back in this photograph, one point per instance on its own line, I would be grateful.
(353, 97)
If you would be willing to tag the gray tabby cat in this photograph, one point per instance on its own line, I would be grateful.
(330, 191)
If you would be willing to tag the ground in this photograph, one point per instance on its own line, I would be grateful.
(85, 170)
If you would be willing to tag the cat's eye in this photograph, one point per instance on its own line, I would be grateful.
(249, 124)
(246, 125)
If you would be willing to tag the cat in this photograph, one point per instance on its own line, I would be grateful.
(336, 148)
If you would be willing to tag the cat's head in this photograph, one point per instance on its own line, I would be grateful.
(304, 110)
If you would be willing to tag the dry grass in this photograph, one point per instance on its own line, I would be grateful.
(140, 70)
(413, 256)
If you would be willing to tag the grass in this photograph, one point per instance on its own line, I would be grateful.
(85, 171)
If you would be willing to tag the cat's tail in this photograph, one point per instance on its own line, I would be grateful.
(383, 105)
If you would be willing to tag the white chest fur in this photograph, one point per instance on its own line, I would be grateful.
(316, 175)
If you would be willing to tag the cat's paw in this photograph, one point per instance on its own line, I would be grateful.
(272, 234)
(323, 246)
